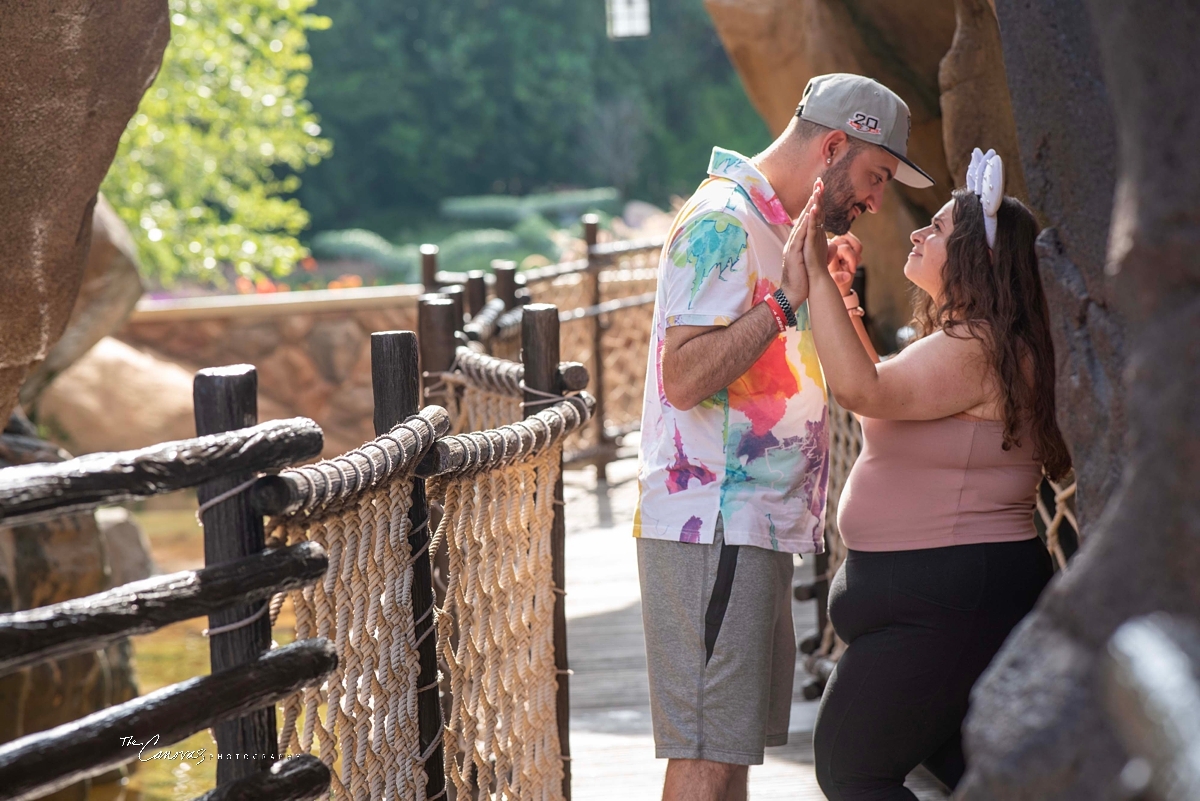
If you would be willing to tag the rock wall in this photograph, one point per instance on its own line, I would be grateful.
(1129, 340)
(71, 76)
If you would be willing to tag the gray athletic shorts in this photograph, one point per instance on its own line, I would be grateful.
(720, 648)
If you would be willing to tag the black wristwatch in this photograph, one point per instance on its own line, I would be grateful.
(786, 305)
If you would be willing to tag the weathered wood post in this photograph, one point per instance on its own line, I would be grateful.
(429, 266)
(435, 335)
(457, 295)
(226, 398)
(591, 229)
(506, 282)
(395, 383)
(476, 292)
(539, 349)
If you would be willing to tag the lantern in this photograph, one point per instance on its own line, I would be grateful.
(628, 19)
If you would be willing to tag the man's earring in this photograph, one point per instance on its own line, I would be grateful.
(829, 161)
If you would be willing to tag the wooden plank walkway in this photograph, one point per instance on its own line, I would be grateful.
(611, 740)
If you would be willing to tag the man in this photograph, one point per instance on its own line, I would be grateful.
(735, 448)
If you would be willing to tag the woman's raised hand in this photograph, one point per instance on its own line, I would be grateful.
(845, 252)
(795, 277)
(816, 247)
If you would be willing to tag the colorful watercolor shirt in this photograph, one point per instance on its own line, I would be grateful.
(756, 452)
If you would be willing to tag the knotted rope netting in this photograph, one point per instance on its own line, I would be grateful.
(480, 391)
(362, 720)
(496, 625)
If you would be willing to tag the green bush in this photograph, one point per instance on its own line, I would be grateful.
(486, 209)
(469, 250)
(534, 233)
(399, 264)
(566, 207)
(507, 210)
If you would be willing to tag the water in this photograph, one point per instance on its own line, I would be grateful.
(168, 656)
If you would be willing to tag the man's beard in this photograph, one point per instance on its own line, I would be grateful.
(839, 197)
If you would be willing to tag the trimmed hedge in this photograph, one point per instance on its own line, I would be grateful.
(508, 210)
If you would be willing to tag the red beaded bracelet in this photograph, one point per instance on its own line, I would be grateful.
(777, 312)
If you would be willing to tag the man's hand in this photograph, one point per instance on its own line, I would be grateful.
(845, 253)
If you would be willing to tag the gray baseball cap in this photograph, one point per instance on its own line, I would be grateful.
(866, 110)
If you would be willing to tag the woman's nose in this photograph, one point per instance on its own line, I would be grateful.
(917, 236)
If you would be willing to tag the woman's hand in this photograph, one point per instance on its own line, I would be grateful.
(845, 253)
(816, 246)
(795, 278)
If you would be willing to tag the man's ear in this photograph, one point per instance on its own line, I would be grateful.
(833, 143)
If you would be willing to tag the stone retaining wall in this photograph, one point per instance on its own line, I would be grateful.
(312, 349)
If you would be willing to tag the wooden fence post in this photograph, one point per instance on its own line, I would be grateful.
(539, 349)
(395, 382)
(591, 229)
(226, 398)
(506, 282)
(457, 296)
(476, 292)
(435, 337)
(429, 266)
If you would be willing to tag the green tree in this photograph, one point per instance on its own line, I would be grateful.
(205, 172)
(433, 98)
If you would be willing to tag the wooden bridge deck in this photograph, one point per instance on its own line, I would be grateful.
(611, 742)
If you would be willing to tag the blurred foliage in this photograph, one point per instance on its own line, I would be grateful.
(509, 210)
(430, 99)
(461, 251)
(205, 172)
(398, 264)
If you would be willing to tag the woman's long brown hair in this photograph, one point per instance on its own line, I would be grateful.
(1000, 301)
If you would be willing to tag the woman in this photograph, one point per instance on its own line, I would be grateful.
(937, 514)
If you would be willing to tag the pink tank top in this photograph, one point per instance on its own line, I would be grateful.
(933, 483)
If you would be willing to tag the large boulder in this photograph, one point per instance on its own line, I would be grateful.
(1128, 341)
(109, 291)
(71, 76)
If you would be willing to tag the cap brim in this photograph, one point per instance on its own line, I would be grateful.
(910, 174)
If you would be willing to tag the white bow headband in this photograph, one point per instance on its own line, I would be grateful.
(985, 177)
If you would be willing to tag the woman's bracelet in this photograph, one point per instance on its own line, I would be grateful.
(853, 307)
(776, 312)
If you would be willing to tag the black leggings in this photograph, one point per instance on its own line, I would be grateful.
(921, 627)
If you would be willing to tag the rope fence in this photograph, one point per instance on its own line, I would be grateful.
(496, 625)
(489, 469)
(362, 720)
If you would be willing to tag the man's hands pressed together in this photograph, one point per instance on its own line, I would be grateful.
(699, 361)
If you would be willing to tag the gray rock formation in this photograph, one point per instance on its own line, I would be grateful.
(1129, 341)
(71, 76)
